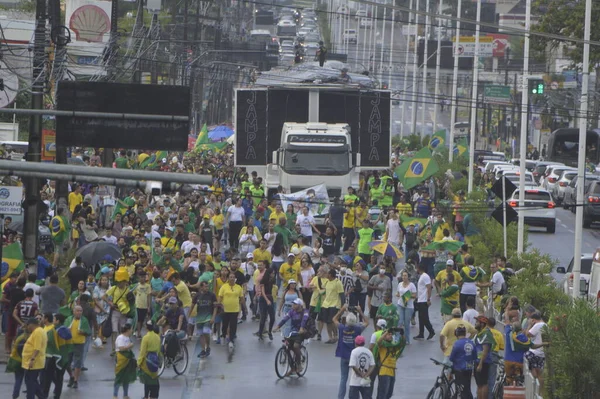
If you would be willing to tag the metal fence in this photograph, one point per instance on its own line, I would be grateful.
(532, 386)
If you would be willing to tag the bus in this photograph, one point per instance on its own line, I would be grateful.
(260, 35)
(563, 146)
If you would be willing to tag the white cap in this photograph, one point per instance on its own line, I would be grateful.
(174, 160)
(292, 281)
(381, 323)
(250, 255)
(449, 262)
(298, 301)
(291, 254)
(164, 160)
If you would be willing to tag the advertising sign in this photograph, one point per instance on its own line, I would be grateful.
(10, 200)
(466, 46)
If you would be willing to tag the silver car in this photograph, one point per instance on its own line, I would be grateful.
(558, 191)
(570, 196)
(552, 175)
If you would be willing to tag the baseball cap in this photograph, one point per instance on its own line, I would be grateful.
(172, 300)
(359, 340)
(292, 281)
(456, 312)
(250, 255)
(482, 319)
(298, 301)
(449, 262)
(381, 323)
(291, 254)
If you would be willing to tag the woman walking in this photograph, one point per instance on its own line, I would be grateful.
(148, 362)
(231, 296)
(266, 302)
(126, 366)
(407, 292)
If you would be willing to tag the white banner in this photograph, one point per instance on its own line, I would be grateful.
(315, 197)
(10, 200)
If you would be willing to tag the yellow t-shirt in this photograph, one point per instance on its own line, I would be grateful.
(314, 299)
(119, 295)
(141, 295)
(218, 221)
(349, 218)
(276, 216)
(448, 332)
(37, 341)
(404, 209)
(135, 248)
(259, 255)
(74, 200)
(219, 283)
(443, 274)
(333, 289)
(183, 293)
(439, 233)
(78, 338)
(499, 338)
(388, 361)
(289, 272)
(230, 297)
(360, 215)
(168, 242)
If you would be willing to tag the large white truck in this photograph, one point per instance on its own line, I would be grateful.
(314, 153)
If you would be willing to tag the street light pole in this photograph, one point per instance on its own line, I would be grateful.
(438, 64)
(382, 41)
(425, 58)
(474, 101)
(455, 81)
(414, 80)
(524, 121)
(390, 65)
(582, 147)
(404, 96)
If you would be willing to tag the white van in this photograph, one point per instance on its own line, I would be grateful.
(350, 36)
(366, 23)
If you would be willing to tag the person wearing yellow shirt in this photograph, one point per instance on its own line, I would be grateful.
(348, 226)
(80, 329)
(140, 242)
(262, 253)
(75, 198)
(403, 207)
(440, 279)
(447, 336)
(332, 303)
(231, 296)
(439, 225)
(376, 192)
(277, 214)
(183, 293)
(290, 270)
(34, 357)
(361, 213)
(168, 241)
(389, 347)
(218, 220)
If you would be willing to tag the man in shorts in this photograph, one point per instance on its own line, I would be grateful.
(535, 356)
(80, 329)
(484, 341)
(205, 318)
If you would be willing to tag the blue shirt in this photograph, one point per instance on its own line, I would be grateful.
(42, 268)
(463, 355)
(347, 335)
(298, 320)
(247, 205)
(423, 207)
(510, 354)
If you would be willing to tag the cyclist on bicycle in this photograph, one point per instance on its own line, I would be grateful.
(298, 333)
(174, 319)
(463, 356)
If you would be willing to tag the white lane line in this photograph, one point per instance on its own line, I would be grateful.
(563, 225)
(558, 220)
(570, 231)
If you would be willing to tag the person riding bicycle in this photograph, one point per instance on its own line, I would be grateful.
(174, 319)
(462, 357)
(298, 317)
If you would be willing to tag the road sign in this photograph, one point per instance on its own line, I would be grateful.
(409, 30)
(496, 94)
(10, 200)
(509, 188)
(511, 214)
(466, 46)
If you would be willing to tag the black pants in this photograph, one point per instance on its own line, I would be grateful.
(265, 310)
(234, 234)
(32, 383)
(53, 375)
(424, 322)
(349, 235)
(463, 383)
(230, 322)
(151, 391)
(463, 301)
(338, 239)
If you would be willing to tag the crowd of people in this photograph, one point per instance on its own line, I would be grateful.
(201, 261)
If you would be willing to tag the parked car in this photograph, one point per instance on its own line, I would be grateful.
(366, 23)
(558, 190)
(362, 13)
(570, 197)
(539, 209)
(551, 175)
(515, 178)
(585, 271)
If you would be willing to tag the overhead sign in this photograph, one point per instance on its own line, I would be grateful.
(10, 200)
(496, 94)
(466, 46)
(409, 30)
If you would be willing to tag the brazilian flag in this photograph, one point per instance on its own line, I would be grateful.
(461, 148)
(415, 170)
(438, 140)
(408, 220)
(126, 368)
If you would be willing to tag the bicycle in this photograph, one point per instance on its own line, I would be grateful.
(500, 383)
(179, 362)
(443, 388)
(285, 359)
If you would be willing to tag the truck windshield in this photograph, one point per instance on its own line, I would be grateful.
(314, 162)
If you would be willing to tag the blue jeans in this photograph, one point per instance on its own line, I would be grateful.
(86, 348)
(385, 389)
(355, 392)
(116, 390)
(405, 314)
(275, 266)
(32, 383)
(344, 369)
(492, 376)
(19, 374)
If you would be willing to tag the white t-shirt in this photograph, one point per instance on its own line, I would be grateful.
(270, 237)
(187, 246)
(497, 282)
(470, 315)
(36, 291)
(122, 340)
(305, 224)
(536, 338)
(307, 275)
(401, 290)
(235, 214)
(424, 280)
(112, 239)
(248, 270)
(362, 359)
(393, 228)
(194, 265)
(151, 215)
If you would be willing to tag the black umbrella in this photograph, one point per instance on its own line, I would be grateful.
(94, 252)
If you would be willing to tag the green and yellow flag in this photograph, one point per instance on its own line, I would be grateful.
(461, 148)
(438, 140)
(13, 255)
(408, 220)
(415, 170)
(202, 136)
(126, 368)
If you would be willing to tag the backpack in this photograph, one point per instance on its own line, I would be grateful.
(152, 362)
(171, 345)
(358, 286)
(311, 327)
(57, 226)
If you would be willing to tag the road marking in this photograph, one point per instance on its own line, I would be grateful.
(570, 231)
(558, 220)
(563, 225)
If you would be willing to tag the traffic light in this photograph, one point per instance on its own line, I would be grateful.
(536, 86)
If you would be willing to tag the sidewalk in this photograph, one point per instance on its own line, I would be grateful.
(3, 357)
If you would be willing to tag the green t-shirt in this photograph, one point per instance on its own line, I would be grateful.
(388, 197)
(485, 337)
(376, 194)
(365, 238)
(389, 313)
(257, 194)
(122, 163)
(209, 277)
(285, 233)
(189, 228)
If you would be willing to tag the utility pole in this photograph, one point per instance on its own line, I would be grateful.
(107, 155)
(425, 60)
(455, 82)
(404, 95)
(582, 147)
(414, 81)
(34, 150)
(474, 95)
(438, 64)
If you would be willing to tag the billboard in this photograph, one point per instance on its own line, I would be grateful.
(251, 127)
(48, 145)
(122, 98)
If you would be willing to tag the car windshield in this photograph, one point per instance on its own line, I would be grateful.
(516, 178)
(586, 266)
(312, 162)
(534, 195)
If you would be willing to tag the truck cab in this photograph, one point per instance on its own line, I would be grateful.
(311, 154)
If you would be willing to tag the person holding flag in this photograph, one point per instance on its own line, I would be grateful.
(126, 365)
(58, 353)
(148, 361)
(61, 230)
(407, 292)
(470, 275)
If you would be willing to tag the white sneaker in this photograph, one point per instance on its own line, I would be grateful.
(231, 345)
(214, 337)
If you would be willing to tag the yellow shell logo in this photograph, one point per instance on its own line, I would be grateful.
(89, 23)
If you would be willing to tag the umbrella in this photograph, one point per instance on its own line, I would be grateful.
(94, 252)
(448, 245)
(220, 133)
(386, 249)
